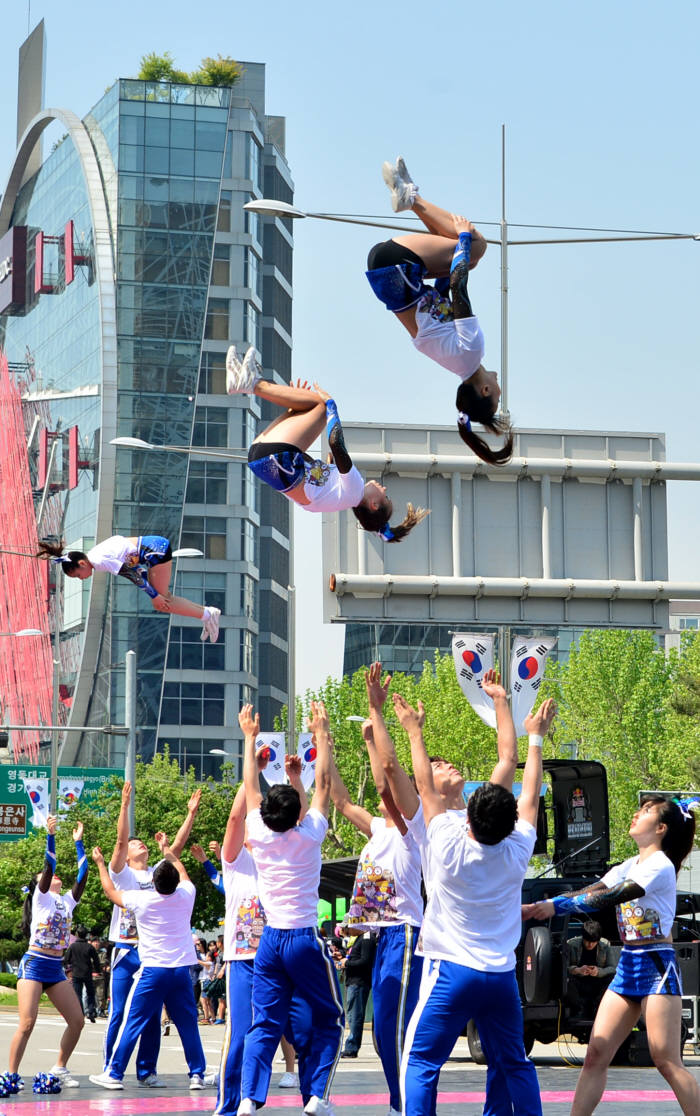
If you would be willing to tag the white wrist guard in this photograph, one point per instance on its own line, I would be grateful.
(534, 740)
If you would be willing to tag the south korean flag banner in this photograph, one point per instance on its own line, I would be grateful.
(37, 791)
(473, 656)
(527, 663)
(306, 750)
(274, 742)
(69, 791)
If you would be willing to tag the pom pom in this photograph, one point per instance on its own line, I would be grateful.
(10, 1084)
(46, 1083)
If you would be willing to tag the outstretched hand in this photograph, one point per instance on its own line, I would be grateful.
(198, 853)
(293, 767)
(409, 718)
(318, 718)
(377, 692)
(262, 757)
(541, 720)
(323, 395)
(97, 855)
(126, 794)
(215, 848)
(162, 842)
(539, 911)
(250, 724)
(367, 731)
(51, 825)
(195, 798)
(491, 685)
(78, 832)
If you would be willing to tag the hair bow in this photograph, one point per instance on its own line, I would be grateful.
(464, 420)
(386, 533)
(61, 558)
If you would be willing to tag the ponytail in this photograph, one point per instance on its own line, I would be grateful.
(679, 837)
(26, 923)
(377, 520)
(474, 407)
(54, 552)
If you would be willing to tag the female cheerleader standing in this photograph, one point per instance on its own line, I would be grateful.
(643, 889)
(440, 318)
(46, 921)
(278, 455)
(145, 560)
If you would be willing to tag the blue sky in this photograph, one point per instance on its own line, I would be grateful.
(600, 105)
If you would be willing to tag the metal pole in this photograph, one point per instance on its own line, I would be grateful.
(130, 722)
(55, 730)
(504, 279)
(291, 646)
(504, 656)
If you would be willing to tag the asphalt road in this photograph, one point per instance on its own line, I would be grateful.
(359, 1084)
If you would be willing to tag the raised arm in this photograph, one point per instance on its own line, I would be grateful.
(235, 827)
(380, 780)
(412, 721)
(318, 725)
(360, 818)
(183, 834)
(537, 726)
(121, 847)
(403, 791)
(81, 879)
(292, 769)
(251, 727)
(49, 868)
(211, 870)
(113, 893)
(507, 741)
(459, 271)
(168, 854)
(334, 432)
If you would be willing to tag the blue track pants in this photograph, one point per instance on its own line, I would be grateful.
(395, 983)
(153, 987)
(125, 965)
(239, 1016)
(289, 962)
(450, 996)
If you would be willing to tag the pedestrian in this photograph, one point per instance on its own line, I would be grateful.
(82, 961)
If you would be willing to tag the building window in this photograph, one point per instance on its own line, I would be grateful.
(205, 588)
(253, 160)
(247, 652)
(206, 483)
(192, 703)
(686, 623)
(212, 380)
(217, 326)
(252, 224)
(187, 652)
(249, 427)
(253, 327)
(249, 590)
(205, 533)
(223, 223)
(210, 426)
(221, 268)
(196, 755)
(248, 539)
(253, 278)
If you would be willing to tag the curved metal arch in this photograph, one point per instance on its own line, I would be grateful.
(107, 303)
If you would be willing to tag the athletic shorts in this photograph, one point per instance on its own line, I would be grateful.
(46, 971)
(647, 972)
(278, 464)
(154, 550)
(395, 274)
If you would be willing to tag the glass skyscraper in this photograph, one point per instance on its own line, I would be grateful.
(141, 267)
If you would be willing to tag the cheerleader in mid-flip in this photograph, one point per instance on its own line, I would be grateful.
(46, 922)
(439, 317)
(146, 561)
(643, 891)
(278, 455)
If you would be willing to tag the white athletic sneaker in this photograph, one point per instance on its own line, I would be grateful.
(65, 1077)
(211, 1078)
(403, 188)
(105, 1081)
(196, 1082)
(212, 624)
(247, 1108)
(393, 1112)
(318, 1107)
(251, 372)
(152, 1081)
(288, 1081)
(233, 370)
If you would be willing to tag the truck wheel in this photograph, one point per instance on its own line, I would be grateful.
(528, 1038)
(537, 965)
(475, 1048)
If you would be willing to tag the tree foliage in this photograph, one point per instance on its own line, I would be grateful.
(212, 71)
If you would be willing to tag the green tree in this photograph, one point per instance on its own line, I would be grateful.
(161, 67)
(217, 71)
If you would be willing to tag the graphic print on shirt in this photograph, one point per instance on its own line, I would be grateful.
(637, 923)
(54, 933)
(250, 923)
(373, 896)
(438, 306)
(316, 472)
(128, 931)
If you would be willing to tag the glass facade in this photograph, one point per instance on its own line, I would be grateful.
(176, 163)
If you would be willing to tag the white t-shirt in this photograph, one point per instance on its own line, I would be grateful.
(652, 914)
(165, 937)
(455, 343)
(331, 490)
(416, 827)
(122, 929)
(387, 883)
(245, 917)
(51, 919)
(109, 556)
(473, 913)
(289, 869)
